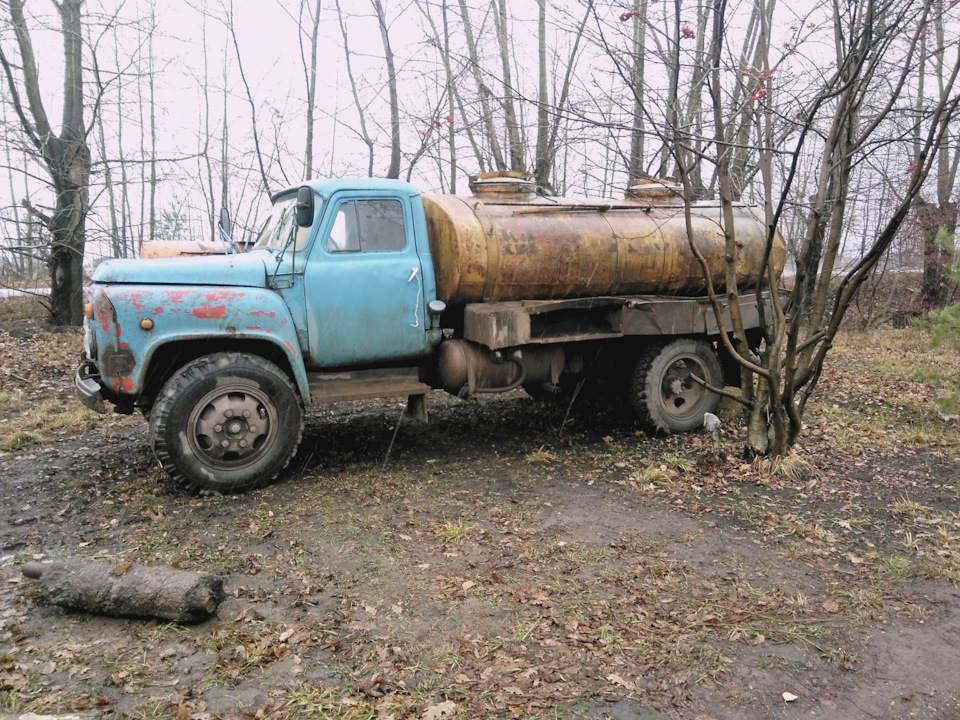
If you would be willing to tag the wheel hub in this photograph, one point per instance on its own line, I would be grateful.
(681, 393)
(231, 427)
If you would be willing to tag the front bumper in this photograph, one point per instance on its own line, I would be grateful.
(87, 382)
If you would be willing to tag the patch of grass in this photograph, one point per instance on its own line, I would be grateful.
(19, 439)
(899, 566)
(858, 523)
(12, 400)
(540, 456)
(862, 598)
(799, 604)
(51, 416)
(909, 542)
(580, 554)
(926, 375)
(790, 467)
(351, 531)
(132, 673)
(925, 434)
(455, 531)
(10, 701)
(839, 656)
(816, 531)
(659, 475)
(675, 461)
(24, 307)
(72, 417)
(941, 569)
(949, 404)
(312, 701)
(906, 506)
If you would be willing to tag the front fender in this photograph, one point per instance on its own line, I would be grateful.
(132, 322)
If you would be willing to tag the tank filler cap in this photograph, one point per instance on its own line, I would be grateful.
(653, 191)
(506, 185)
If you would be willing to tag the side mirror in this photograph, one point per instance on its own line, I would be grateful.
(305, 207)
(225, 221)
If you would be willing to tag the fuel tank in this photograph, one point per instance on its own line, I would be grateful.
(506, 242)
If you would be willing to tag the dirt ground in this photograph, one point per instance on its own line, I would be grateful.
(489, 565)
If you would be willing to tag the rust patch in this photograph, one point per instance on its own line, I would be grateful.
(176, 296)
(218, 295)
(210, 312)
(123, 385)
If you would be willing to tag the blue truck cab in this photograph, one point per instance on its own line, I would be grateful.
(335, 301)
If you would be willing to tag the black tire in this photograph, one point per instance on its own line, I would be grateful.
(201, 428)
(663, 394)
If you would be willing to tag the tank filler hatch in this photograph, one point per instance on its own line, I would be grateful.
(504, 186)
(654, 191)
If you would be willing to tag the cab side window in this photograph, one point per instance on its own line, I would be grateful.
(368, 226)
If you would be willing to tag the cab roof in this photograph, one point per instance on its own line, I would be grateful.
(326, 187)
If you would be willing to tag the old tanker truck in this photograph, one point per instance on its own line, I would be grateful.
(367, 288)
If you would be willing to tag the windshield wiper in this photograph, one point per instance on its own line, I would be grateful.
(283, 250)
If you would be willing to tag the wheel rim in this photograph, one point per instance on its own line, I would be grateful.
(232, 427)
(680, 396)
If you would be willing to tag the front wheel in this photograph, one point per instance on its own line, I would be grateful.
(226, 422)
(663, 392)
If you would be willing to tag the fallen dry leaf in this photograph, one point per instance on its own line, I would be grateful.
(440, 710)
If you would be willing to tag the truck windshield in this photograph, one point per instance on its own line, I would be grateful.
(282, 221)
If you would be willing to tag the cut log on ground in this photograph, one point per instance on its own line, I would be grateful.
(128, 590)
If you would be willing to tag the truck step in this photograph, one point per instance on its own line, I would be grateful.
(327, 387)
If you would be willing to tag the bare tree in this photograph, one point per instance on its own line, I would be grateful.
(483, 91)
(938, 219)
(550, 115)
(443, 46)
(514, 143)
(361, 109)
(875, 64)
(394, 170)
(310, 70)
(848, 111)
(262, 164)
(65, 155)
(638, 58)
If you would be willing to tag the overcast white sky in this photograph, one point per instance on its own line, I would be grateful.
(267, 34)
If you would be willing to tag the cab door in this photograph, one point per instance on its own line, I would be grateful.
(364, 284)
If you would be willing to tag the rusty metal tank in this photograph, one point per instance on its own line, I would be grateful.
(506, 242)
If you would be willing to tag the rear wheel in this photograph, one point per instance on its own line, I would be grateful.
(664, 394)
(226, 422)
